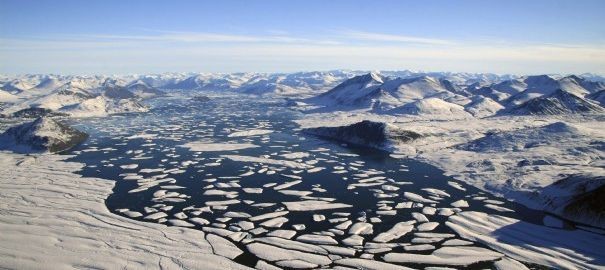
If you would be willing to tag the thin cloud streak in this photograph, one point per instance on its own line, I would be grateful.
(178, 50)
(380, 37)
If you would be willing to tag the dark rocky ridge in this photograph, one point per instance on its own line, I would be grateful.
(366, 133)
(42, 135)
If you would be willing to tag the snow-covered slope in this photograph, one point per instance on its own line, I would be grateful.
(142, 90)
(43, 134)
(483, 106)
(598, 97)
(432, 107)
(46, 86)
(549, 148)
(102, 106)
(66, 95)
(559, 102)
(7, 97)
(17, 86)
(352, 91)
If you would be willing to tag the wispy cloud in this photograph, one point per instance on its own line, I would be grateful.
(381, 37)
(187, 51)
(202, 37)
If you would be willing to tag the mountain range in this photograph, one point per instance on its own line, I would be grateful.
(425, 94)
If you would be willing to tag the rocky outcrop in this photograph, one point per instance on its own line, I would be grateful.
(42, 135)
(366, 133)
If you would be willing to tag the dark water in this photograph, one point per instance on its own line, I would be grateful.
(175, 121)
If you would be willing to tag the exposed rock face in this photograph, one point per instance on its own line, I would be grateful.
(35, 112)
(43, 134)
(367, 133)
(117, 92)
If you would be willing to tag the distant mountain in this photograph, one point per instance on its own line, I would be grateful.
(102, 106)
(16, 86)
(300, 83)
(47, 85)
(215, 82)
(517, 91)
(376, 92)
(117, 92)
(43, 134)
(74, 100)
(352, 91)
(143, 90)
(483, 106)
(559, 102)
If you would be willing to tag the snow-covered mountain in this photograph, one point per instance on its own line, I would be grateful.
(435, 96)
(483, 106)
(376, 92)
(78, 98)
(142, 90)
(481, 95)
(559, 102)
(517, 91)
(16, 86)
(434, 107)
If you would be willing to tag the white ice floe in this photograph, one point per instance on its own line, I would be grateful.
(397, 231)
(295, 155)
(317, 239)
(362, 228)
(460, 204)
(273, 253)
(252, 132)
(286, 163)
(274, 222)
(311, 205)
(129, 166)
(417, 198)
(287, 234)
(203, 146)
(461, 256)
(223, 247)
(369, 264)
(269, 215)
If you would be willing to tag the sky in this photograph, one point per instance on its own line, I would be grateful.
(135, 36)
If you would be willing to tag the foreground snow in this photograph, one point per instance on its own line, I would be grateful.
(54, 219)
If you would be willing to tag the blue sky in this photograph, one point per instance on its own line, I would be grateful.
(523, 37)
